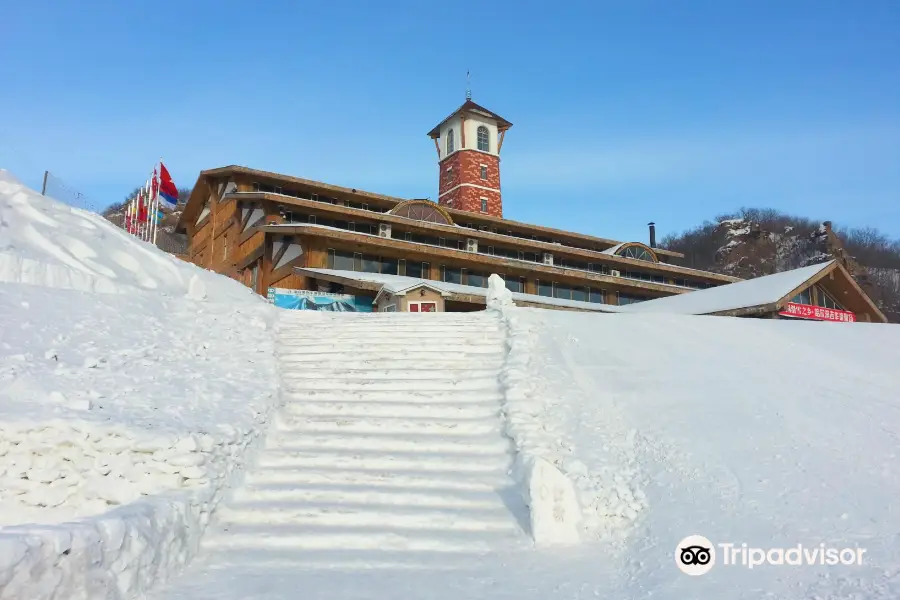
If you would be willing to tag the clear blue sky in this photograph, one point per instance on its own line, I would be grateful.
(623, 111)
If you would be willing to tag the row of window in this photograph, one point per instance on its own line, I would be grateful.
(459, 244)
(820, 298)
(366, 263)
(483, 140)
(277, 189)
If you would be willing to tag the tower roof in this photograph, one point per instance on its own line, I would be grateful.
(470, 107)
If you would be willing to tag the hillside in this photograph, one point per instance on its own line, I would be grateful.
(754, 242)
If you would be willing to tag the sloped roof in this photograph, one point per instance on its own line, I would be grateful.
(469, 106)
(733, 296)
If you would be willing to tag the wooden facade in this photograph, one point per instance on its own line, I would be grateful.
(243, 223)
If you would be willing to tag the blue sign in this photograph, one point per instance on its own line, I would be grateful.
(311, 300)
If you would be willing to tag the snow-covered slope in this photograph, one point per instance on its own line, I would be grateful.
(770, 433)
(125, 412)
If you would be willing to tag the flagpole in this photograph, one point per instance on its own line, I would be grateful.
(149, 222)
(146, 224)
(156, 200)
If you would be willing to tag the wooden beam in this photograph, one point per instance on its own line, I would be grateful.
(437, 146)
(500, 141)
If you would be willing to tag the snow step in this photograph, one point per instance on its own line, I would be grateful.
(313, 537)
(366, 515)
(394, 334)
(390, 412)
(381, 461)
(388, 328)
(386, 498)
(369, 353)
(397, 385)
(432, 443)
(347, 374)
(486, 361)
(411, 479)
(434, 398)
(389, 426)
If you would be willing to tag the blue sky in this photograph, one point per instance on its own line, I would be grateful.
(623, 111)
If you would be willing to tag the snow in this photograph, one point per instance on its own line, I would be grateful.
(741, 294)
(132, 388)
(663, 426)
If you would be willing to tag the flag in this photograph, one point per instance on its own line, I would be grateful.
(168, 193)
(142, 208)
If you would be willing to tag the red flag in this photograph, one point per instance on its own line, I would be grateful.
(142, 209)
(154, 185)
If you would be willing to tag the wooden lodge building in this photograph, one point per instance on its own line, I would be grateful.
(277, 231)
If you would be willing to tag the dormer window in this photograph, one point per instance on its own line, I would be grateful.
(449, 141)
(484, 139)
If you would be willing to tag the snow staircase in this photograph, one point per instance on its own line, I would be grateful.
(389, 449)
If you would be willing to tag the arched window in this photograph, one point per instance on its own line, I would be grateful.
(636, 251)
(449, 141)
(484, 139)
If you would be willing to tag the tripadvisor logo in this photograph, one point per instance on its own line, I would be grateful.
(696, 555)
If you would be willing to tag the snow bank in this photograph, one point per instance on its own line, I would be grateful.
(44, 242)
(553, 508)
(124, 415)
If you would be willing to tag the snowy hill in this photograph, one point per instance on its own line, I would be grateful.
(131, 386)
(754, 243)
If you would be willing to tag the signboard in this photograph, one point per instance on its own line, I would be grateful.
(817, 313)
(312, 300)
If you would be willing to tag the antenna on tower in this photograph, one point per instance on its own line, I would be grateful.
(468, 86)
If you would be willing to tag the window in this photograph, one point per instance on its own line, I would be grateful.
(417, 269)
(628, 299)
(598, 296)
(545, 288)
(802, 298)
(451, 275)
(484, 206)
(449, 141)
(483, 172)
(389, 266)
(562, 291)
(312, 219)
(357, 261)
(461, 244)
(514, 284)
(401, 267)
(255, 186)
(340, 260)
(484, 139)
(476, 279)
(580, 294)
(825, 300)
(407, 236)
(637, 253)
(442, 242)
(351, 226)
(389, 308)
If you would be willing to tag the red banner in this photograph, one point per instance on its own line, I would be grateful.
(817, 313)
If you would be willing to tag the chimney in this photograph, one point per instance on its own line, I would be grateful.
(652, 226)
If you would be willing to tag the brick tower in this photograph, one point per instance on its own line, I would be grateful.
(468, 145)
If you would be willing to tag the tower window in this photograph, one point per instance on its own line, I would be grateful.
(484, 205)
(484, 139)
(483, 171)
(449, 141)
